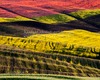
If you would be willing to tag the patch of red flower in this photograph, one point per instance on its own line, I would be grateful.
(7, 14)
(34, 8)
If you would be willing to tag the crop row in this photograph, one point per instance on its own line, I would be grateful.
(13, 62)
(56, 58)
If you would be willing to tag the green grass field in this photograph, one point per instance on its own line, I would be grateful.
(43, 77)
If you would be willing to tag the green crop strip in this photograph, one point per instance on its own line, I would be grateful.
(86, 13)
(18, 18)
(54, 19)
(44, 77)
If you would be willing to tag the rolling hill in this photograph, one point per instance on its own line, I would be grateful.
(40, 37)
(51, 23)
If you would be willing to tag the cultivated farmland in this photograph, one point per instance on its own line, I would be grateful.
(49, 39)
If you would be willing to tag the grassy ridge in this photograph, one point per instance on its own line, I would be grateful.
(89, 16)
(86, 13)
(54, 19)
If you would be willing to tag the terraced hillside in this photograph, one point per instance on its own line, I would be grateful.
(50, 37)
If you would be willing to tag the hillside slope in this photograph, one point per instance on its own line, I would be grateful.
(50, 37)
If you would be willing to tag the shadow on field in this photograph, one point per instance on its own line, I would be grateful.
(90, 24)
